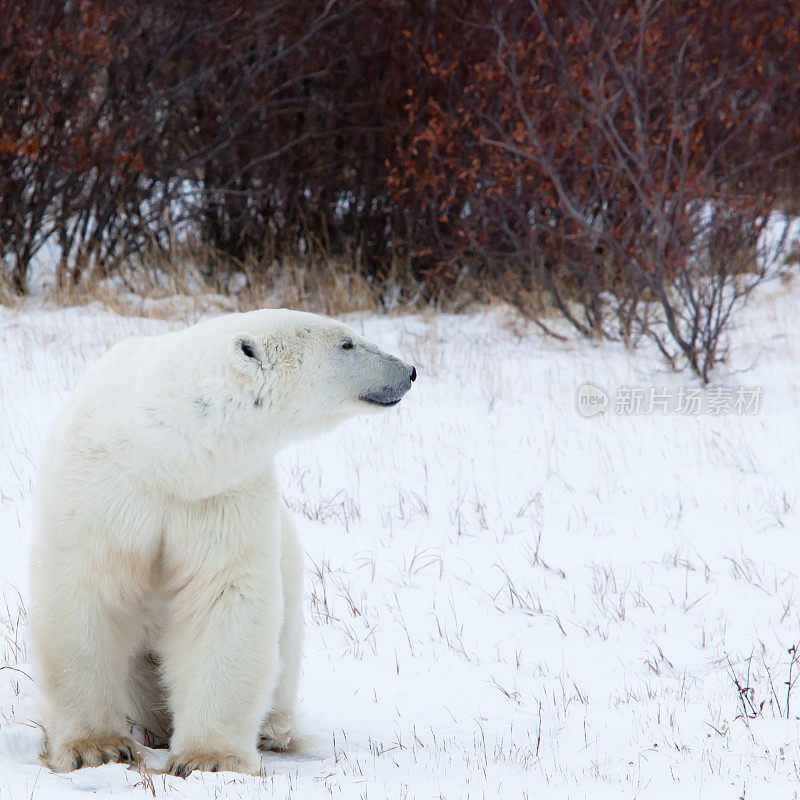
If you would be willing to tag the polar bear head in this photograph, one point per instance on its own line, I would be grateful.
(301, 372)
(207, 406)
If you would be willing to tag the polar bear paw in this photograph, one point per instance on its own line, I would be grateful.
(277, 732)
(92, 752)
(184, 764)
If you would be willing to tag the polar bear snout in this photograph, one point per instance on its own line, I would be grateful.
(397, 381)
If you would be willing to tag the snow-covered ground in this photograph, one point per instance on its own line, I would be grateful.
(504, 597)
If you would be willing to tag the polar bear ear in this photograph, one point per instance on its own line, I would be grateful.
(248, 352)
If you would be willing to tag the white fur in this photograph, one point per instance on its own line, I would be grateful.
(158, 530)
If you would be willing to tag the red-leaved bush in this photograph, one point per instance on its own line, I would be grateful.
(625, 156)
(620, 158)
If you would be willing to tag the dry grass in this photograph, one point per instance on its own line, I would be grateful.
(193, 278)
(7, 297)
(156, 284)
(13, 647)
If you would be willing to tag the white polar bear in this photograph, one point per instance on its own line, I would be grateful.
(166, 577)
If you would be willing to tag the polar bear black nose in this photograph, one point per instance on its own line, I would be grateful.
(413, 374)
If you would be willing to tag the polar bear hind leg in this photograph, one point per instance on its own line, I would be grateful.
(278, 729)
(148, 700)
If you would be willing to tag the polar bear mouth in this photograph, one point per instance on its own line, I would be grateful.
(379, 402)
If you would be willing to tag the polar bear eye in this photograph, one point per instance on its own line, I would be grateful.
(347, 344)
(248, 349)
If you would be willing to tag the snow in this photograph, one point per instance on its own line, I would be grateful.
(504, 598)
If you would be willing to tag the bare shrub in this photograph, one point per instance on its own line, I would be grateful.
(609, 152)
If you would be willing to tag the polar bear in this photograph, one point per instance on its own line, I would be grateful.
(166, 576)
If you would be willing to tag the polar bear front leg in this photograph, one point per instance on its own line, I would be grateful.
(278, 729)
(220, 662)
(82, 647)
